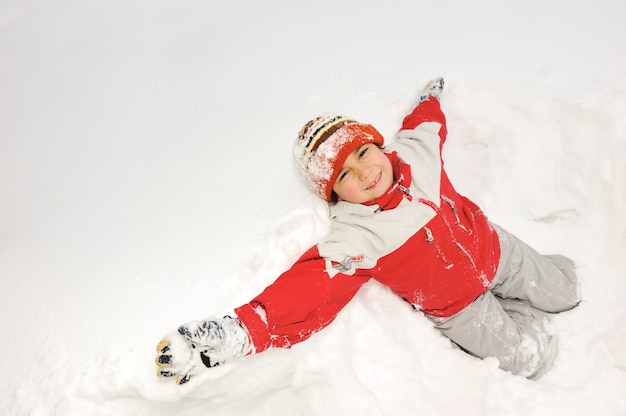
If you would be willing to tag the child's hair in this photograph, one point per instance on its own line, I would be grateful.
(323, 146)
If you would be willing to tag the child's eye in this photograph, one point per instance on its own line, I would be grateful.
(363, 151)
(341, 176)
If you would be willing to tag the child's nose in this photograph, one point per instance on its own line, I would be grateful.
(364, 172)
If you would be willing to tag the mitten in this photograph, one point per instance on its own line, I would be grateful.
(200, 345)
(434, 88)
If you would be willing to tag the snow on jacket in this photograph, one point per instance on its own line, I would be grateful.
(436, 249)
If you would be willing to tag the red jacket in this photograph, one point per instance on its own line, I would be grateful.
(436, 249)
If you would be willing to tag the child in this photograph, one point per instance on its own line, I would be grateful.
(394, 217)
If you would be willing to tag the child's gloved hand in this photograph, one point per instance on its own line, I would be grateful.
(197, 346)
(434, 88)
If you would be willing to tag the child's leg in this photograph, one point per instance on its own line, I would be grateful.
(548, 283)
(511, 331)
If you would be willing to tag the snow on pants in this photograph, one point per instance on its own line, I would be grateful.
(510, 320)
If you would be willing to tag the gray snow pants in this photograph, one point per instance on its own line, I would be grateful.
(510, 320)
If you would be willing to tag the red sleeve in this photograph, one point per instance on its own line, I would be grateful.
(427, 110)
(302, 301)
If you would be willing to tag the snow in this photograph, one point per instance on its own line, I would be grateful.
(146, 181)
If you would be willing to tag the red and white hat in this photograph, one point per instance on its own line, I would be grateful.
(323, 146)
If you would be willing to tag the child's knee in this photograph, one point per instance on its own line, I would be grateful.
(571, 287)
(565, 265)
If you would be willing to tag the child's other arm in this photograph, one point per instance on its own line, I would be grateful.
(420, 140)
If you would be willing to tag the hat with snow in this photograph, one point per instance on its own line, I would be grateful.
(323, 146)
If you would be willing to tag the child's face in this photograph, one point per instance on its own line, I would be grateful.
(365, 175)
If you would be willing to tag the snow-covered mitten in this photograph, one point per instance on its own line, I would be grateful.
(199, 345)
(434, 88)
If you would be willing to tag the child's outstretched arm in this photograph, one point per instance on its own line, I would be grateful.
(302, 301)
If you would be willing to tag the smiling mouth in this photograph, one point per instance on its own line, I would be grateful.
(376, 182)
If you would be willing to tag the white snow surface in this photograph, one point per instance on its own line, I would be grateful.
(146, 180)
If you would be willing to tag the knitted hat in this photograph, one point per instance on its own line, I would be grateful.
(323, 146)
